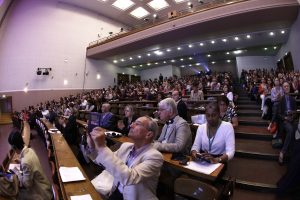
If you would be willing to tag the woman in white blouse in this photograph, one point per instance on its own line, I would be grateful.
(214, 141)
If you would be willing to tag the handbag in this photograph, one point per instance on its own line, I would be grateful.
(273, 128)
(228, 189)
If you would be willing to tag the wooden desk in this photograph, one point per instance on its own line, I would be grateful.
(175, 164)
(65, 157)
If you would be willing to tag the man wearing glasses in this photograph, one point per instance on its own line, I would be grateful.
(134, 168)
(176, 135)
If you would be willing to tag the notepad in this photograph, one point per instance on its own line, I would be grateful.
(82, 197)
(202, 166)
(12, 166)
(70, 174)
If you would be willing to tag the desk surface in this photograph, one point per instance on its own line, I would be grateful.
(65, 157)
(173, 163)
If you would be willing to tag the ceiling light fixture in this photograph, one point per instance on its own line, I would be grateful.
(271, 33)
(248, 36)
(274, 47)
(224, 40)
(236, 38)
(213, 62)
(265, 48)
(115, 61)
(139, 56)
(181, 59)
(158, 4)
(238, 52)
(123, 4)
(173, 60)
(282, 32)
(178, 48)
(190, 58)
(168, 50)
(139, 13)
(148, 54)
(227, 53)
(130, 58)
(158, 53)
(208, 55)
(228, 61)
(201, 44)
(213, 42)
(190, 45)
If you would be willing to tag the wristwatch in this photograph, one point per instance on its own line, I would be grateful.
(220, 159)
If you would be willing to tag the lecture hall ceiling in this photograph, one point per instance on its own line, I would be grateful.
(222, 44)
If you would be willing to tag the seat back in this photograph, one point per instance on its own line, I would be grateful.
(194, 189)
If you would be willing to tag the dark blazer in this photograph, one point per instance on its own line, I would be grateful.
(108, 121)
(282, 112)
(182, 109)
(126, 129)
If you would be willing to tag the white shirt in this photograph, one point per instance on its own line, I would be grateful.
(222, 142)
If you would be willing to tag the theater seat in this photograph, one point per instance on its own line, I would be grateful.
(188, 188)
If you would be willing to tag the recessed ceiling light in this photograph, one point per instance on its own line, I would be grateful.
(65, 82)
(165, 62)
(190, 45)
(236, 38)
(159, 53)
(141, 65)
(201, 44)
(180, 1)
(190, 58)
(139, 12)
(178, 48)
(182, 66)
(213, 62)
(122, 60)
(130, 58)
(98, 76)
(133, 66)
(198, 64)
(208, 55)
(275, 47)
(224, 40)
(148, 64)
(148, 54)
(271, 33)
(265, 48)
(228, 61)
(181, 59)
(227, 53)
(168, 50)
(190, 65)
(156, 63)
(123, 4)
(173, 60)
(158, 4)
(115, 61)
(238, 52)
(212, 41)
(248, 36)
(139, 56)
(282, 32)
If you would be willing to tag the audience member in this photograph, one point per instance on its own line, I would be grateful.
(33, 182)
(215, 139)
(181, 106)
(227, 113)
(107, 119)
(286, 120)
(133, 168)
(130, 117)
(176, 135)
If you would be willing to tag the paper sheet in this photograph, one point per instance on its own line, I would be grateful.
(12, 166)
(82, 197)
(69, 174)
(202, 166)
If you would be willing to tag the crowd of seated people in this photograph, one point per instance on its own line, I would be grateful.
(282, 111)
(175, 136)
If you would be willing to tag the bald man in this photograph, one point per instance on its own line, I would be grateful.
(135, 167)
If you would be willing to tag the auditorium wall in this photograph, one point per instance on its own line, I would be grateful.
(292, 45)
(255, 62)
(166, 71)
(50, 34)
(3, 6)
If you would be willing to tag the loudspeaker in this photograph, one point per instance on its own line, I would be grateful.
(172, 14)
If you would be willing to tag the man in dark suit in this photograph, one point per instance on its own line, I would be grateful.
(181, 106)
(107, 119)
(286, 120)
